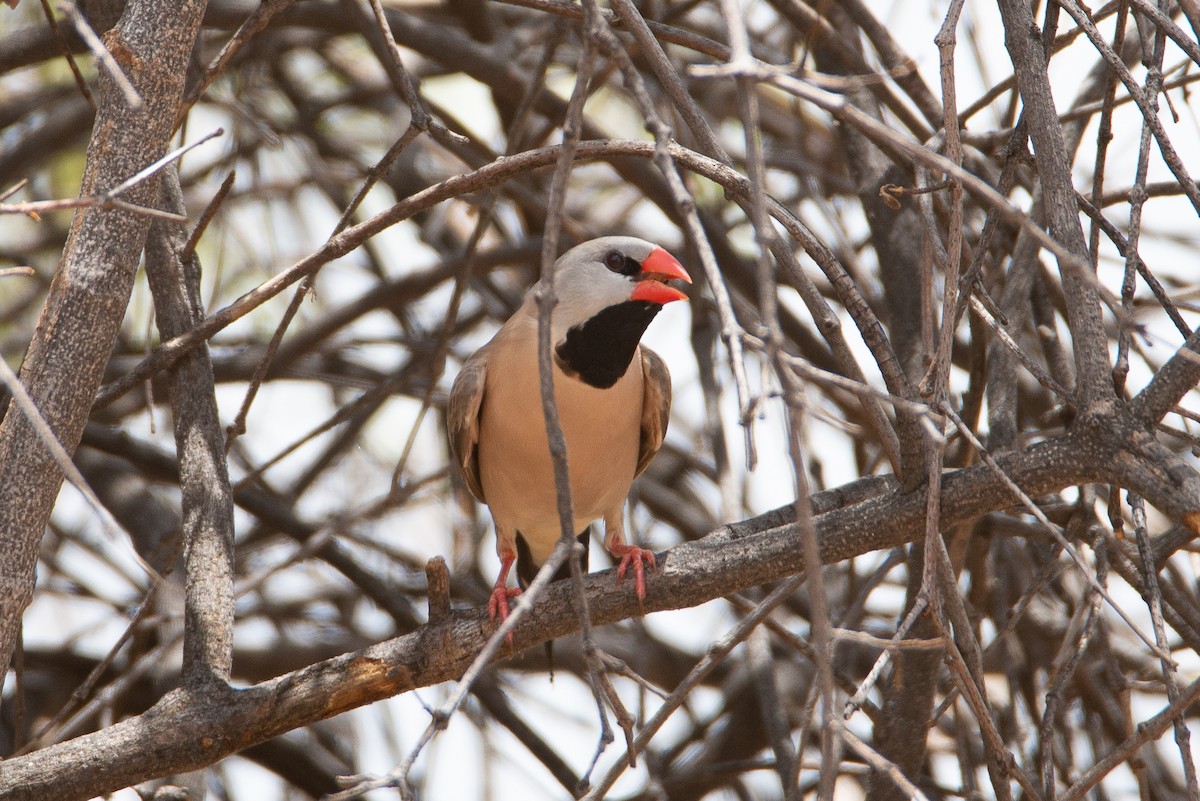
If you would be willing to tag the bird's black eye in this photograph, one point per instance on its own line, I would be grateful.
(618, 262)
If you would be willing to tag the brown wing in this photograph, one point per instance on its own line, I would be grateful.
(462, 420)
(656, 406)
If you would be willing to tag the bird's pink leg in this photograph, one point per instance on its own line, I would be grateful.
(501, 592)
(633, 555)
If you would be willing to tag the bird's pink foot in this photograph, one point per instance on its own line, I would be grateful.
(632, 555)
(501, 593)
(498, 607)
(498, 603)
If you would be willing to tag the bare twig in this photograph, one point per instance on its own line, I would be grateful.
(107, 62)
(1147, 731)
(1154, 601)
(150, 169)
(259, 19)
(407, 85)
(1056, 532)
(934, 384)
(61, 41)
(712, 658)
(546, 301)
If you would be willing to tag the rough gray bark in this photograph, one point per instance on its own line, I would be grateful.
(194, 727)
(174, 275)
(1024, 42)
(78, 326)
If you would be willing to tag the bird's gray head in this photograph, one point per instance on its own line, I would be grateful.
(608, 291)
(608, 271)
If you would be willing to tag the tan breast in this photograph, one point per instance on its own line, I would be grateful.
(601, 428)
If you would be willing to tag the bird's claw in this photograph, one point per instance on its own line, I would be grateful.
(498, 607)
(632, 555)
(498, 603)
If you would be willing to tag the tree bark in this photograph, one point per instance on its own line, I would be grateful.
(174, 277)
(197, 726)
(78, 325)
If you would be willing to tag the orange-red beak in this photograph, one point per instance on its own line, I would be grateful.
(659, 267)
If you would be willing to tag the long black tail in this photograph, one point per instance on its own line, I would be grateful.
(527, 569)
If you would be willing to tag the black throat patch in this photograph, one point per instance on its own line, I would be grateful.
(600, 349)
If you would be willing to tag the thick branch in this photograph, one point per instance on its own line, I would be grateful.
(200, 442)
(188, 730)
(1084, 312)
(1175, 379)
(75, 335)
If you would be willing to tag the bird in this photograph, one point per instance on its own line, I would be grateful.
(613, 397)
